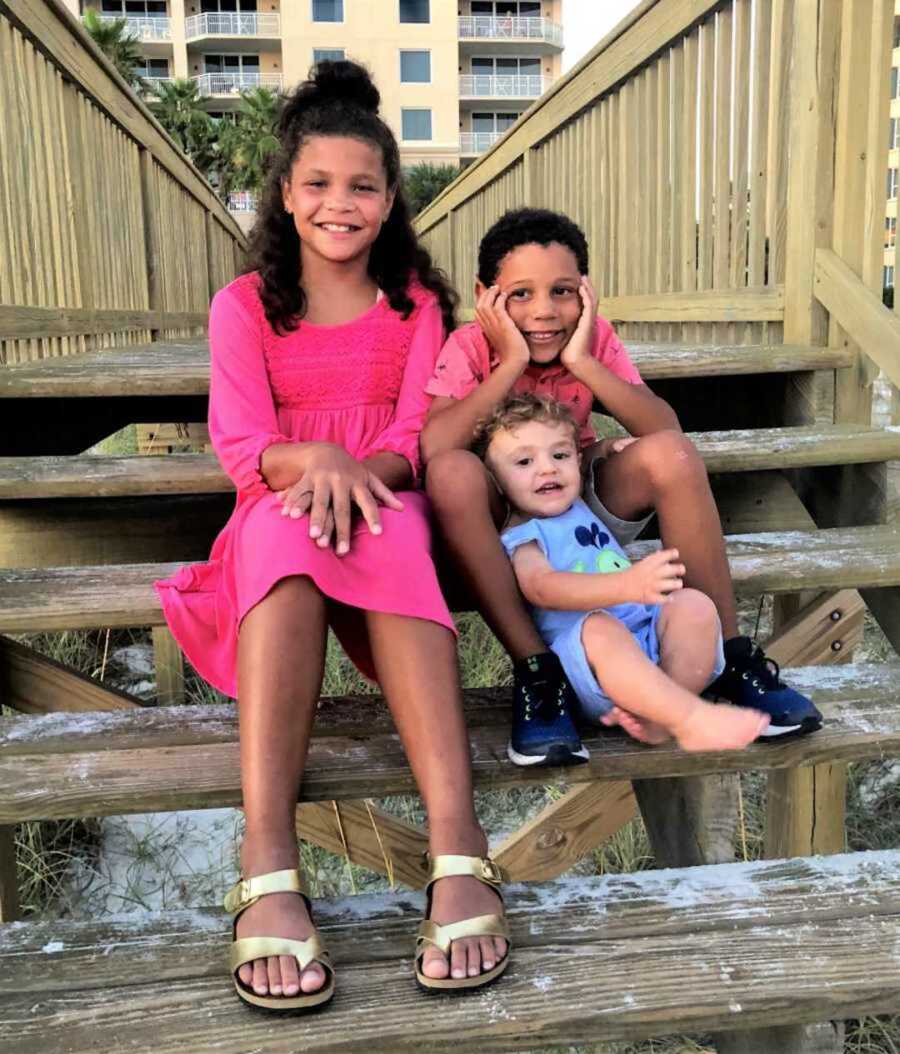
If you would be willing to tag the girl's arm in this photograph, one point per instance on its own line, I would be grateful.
(634, 406)
(647, 582)
(452, 422)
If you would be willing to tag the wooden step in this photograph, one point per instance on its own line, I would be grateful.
(737, 451)
(183, 369)
(58, 598)
(611, 957)
(62, 765)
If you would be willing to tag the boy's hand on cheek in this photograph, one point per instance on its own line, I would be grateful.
(577, 352)
(501, 332)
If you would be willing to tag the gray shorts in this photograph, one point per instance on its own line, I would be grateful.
(624, 531)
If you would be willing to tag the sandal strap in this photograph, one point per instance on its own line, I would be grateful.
(447, 865)
(443, 936)
(248, 890)
(246, 949)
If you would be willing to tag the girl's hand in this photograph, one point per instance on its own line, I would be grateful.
(332, 483)
(499, 330)
(652, 579)
(578, 351)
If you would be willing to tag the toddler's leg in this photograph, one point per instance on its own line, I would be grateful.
(281, 656)
(416, 665)
(688, 630)
(639, 687)
(469, 511)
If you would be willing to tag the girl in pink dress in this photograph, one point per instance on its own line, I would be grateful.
(320, 358)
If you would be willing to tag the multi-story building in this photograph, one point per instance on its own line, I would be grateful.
(453, 75)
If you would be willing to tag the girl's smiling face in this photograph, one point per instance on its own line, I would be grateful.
(338, 196)
(541, 283)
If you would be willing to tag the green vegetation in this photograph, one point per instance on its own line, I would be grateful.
(423, 182)
(117, 43)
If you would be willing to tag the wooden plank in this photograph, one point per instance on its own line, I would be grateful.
(860, 704)
(741, 450)
(169, 666)
(826, 630)
(774, 562)
(9, 879)
(753, 305)
(867, 321)
(630, 982)
(35, 684)
(18, 322)
(565, 831)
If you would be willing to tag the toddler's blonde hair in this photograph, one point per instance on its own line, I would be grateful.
(519, 410)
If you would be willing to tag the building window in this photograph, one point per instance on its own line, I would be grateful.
(890, 232)
(328, 10)
(415, 67)
(493, 122)
(416, 124)
(328, 55)
(415, 10)
(892, 183)
(231, 63)
(152, 69)
(889, 278)
(134, 8)
(218, 6)
(507, 8)
(897, 32)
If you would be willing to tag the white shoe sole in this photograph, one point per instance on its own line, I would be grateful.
(528, 760)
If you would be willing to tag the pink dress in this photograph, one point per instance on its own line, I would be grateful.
(360, 384)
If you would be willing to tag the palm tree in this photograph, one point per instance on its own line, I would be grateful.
(423, 182)
(117, 43)
(255, 139)
(178, 108)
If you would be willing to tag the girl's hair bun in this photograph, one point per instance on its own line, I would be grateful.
(346, 82)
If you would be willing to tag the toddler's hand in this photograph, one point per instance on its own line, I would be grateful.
(578, 350)
(499, 330)
(653, 578)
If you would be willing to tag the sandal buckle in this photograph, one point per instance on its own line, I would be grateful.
(491, 872)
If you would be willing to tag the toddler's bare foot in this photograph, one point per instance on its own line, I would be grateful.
(638, 728)
(711, 726)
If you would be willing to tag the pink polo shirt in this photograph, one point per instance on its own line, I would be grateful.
(467, 358)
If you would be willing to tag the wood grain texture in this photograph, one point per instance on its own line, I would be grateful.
(62, 765)
(610, 958)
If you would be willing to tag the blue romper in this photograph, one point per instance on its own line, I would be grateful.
(577, 541)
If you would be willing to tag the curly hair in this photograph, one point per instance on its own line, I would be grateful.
(519, 410)
(339, 99)
(529, 227)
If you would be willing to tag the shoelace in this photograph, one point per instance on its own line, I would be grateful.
(766, 672)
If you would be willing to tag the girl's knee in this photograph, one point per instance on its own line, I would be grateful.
(669, 459)
(453, 476)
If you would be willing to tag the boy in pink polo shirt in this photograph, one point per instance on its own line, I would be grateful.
(537, 331)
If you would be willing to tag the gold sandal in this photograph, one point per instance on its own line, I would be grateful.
(245, 949)
(486, 871)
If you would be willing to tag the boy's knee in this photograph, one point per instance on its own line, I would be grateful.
(454, 475)
(669, 459)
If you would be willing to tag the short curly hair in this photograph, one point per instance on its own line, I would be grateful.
(529, 227)
(519, 410)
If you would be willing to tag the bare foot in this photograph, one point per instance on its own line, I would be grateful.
(638, 728)
(276, 915)
(462, 897)
(718, 726)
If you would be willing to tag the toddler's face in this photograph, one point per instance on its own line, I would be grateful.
(542, 285)
(537, 467)
(338, 196)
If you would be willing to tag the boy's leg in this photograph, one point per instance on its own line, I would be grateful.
(663, 471)
(276, 705)
(638, 686)
(469, 512)
(416, 665)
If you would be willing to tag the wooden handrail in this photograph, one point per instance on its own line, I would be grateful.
(867, 322)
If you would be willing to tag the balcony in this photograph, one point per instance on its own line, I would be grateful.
(485, 86)
(477, 142)
(149, 29)
(242, 201)
(235, 83)
(233, 24)
(151, 83)
(500, 28)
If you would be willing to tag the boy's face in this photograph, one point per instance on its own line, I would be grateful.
(537, 467)
(541, 283)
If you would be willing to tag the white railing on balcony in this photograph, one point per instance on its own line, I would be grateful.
(479, 86)
(490, 27)
(234, 83)
(242, 201)
(146, 27)
(477, 142)
(233, 24)
(151, 82)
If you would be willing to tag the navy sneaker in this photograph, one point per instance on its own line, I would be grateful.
(752, 679)
(543, 730)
